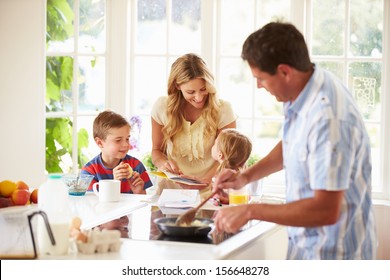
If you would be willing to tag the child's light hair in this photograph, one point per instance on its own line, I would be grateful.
(105, 121)
(235, 148)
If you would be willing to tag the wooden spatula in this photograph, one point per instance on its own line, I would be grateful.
(187, 217)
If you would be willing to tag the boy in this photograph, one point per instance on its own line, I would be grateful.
(112, 133)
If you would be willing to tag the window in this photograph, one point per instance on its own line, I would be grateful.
(348, 42)
(346, 37)
(260, 116)
(163, 30)
(172, 28)
(75, 81)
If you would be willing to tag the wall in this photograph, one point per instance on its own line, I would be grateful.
(22, 90)
(382, 216)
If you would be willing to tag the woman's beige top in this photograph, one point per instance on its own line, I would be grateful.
(190, 149)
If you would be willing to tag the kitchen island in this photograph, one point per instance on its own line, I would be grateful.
(141, 239)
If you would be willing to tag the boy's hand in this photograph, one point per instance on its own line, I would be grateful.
(136, 183)
(122, 171)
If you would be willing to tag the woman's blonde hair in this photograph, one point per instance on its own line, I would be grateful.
(235, 148)
(184, 69)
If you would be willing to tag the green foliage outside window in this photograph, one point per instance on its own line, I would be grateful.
(147, 161)
(253, 158)
(59, 79)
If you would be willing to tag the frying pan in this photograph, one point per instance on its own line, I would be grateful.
(167, 226)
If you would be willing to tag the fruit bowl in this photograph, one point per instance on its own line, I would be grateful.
(77, 183)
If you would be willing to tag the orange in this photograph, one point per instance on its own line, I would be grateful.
(7, 187)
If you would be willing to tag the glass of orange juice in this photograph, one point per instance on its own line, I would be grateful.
(239, 196)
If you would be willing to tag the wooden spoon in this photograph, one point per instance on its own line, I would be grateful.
(187, 217)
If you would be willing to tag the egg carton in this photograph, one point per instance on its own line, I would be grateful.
(100, 241)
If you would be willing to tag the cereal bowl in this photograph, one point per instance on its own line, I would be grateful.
(77, 183)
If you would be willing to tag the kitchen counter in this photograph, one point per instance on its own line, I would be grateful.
(141, 239)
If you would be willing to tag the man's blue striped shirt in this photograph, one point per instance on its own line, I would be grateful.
(326, 147)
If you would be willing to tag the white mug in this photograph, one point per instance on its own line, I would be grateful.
(109, 190)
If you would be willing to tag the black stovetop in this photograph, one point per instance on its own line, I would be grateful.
(139, 225)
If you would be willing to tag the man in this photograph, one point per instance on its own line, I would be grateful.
(325, 152)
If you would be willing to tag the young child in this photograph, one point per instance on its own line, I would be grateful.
(231, 149)
(111, 132)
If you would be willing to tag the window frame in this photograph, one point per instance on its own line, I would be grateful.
(75, 112)
(385, 85)
(120, 27)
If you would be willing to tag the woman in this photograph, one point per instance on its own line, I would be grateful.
(186, 123)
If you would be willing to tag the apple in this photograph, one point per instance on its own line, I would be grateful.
(21, 185)
(34, 196)
(20, 197)
(5, 202)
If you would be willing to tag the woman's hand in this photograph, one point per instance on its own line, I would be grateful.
(170, 166)
(199, 186)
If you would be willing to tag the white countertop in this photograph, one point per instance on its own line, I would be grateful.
(92, 212)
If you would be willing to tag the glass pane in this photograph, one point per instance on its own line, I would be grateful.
(87, 148)
(59, 145)
(366, 28)
(151, 26)
(236, 25)
(266, 135)
(184, 35)
(337, 68)
(328, 27)
(272, 10)
(92, 36)
(145, 139)
(266, 105)
(236, 85)
(245, 126)
(92, 83)
(59, 27)
(365, 80)
(59, 79)
(171, 60)
(271, 130)
(150, 82)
